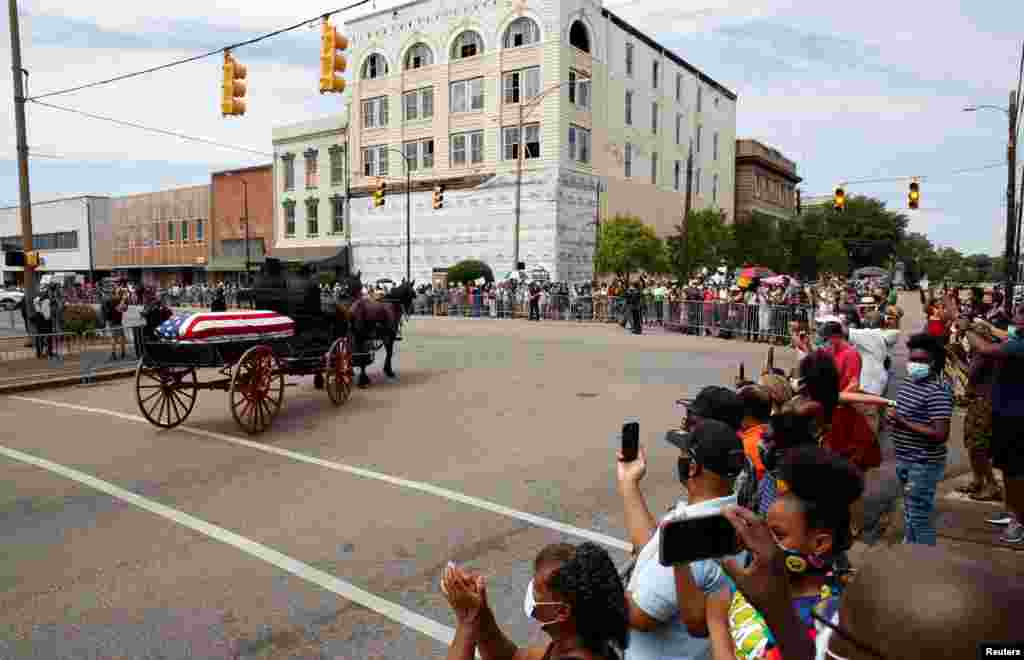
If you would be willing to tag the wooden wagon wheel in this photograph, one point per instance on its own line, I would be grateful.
(166, 395)
(338, 373)
(257, 390)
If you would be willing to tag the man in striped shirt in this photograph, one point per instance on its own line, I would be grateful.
(920, 431)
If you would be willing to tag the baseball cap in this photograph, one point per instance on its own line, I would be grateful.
(715, 445)
(718, 403)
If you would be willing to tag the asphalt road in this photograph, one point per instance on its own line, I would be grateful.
(199, 543)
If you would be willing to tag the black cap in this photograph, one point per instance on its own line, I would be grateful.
(716, 446)
(718, 403)
(832, 329)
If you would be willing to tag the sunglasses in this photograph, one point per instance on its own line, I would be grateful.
(846, 636)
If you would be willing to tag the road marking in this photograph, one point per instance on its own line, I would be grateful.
(492, 507)
(326, 581)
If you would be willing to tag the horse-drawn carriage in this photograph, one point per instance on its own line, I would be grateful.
(290, 331)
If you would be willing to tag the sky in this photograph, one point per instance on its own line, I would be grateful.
(850, 91)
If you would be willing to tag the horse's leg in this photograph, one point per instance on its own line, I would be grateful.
(389, 347)
(364, 380)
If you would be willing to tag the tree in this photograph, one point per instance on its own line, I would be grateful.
(755, 242)
(707, 243)
(870, 232)
(469, 270)
(832, 257)
(628, 246)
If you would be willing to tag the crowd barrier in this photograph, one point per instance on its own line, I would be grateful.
(92, 349)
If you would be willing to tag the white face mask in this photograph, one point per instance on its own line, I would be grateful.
(530, 605)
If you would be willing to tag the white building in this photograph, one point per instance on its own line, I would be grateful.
(73, 235)
(310, 182)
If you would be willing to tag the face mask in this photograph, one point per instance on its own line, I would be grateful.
(530, 605)
(798, 563)
(1012, 332)
(918, 371)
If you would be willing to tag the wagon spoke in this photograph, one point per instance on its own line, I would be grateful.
(150, 397)
(172, 407)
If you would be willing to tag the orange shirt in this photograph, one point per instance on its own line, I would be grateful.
(751, 438)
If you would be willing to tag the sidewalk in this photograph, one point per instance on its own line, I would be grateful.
(30, 373)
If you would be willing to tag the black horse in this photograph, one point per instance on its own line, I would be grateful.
(374, 324)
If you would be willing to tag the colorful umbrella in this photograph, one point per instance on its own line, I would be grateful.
(756, 272)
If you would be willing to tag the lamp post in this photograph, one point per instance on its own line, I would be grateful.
(524, 109)
(408, 214)
(1011, 190)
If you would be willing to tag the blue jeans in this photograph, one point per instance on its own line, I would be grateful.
(919, 481)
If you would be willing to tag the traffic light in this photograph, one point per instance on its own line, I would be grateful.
(378, 194)
(839, 201)
(438, 197)
(14, 259)
(232, 101)
(33, 259)
(331, 62)
(914, 196)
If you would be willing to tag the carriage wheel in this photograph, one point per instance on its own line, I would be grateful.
(257, 390)
(165, 395)
(339, 372)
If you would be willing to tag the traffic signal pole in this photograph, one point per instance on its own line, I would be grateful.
(24, 196)
(1011, 206)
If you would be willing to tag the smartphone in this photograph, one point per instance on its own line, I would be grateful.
(630, 441)
(708, 536)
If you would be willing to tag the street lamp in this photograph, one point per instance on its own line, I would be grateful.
(408, 214)
(1011, 190)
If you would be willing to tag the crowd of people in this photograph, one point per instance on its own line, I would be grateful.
(784, 460)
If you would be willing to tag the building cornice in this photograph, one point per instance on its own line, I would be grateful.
(766, 164)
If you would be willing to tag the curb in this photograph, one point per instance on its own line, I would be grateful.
(65, 381)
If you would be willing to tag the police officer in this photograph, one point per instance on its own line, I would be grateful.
(634, 301)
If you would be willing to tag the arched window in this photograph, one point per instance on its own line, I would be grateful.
(375, 66)
(522, 32)
(579, 37)
(467, 44)
(418, 56)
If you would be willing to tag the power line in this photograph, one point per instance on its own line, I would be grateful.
(159, 131)
(890, 179)
(194, 58)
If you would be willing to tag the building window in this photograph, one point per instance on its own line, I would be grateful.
(654, 74)
(337, 165)
(170, 232)
(419, 56)
(289, 219)
(312, 219)
(200, 236)
(375, 112)
(628, 160)
(184, 231)
(699, 131)
(629, 108)
(467, 95)
(629, 60)
(679, 88)
(418, 104)
(375, 160)
(338, 215)
(579, 37)
(700, 97)
(530, 142)
(289, 171)
(579, 90)
(654, 118)
(676, 173)
(522, 85)
(467, 148)
(714, 146)
(467, 44)
(579, 144)
(375, 66)
(679, 128)
(522, 32)
(420, 154)
(654, 169)
(714, 189)
(312, 170)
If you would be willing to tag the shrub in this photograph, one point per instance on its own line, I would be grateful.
(469, 270)
(80, 319)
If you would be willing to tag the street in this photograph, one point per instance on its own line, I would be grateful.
(518, 415)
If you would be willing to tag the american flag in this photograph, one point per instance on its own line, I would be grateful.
(169, 328)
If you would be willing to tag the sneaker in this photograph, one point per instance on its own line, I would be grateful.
(1014, 534)
(1001, 518)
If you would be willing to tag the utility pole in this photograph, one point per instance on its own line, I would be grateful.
(519, 191)
(245, 212)
(1011, 207)
(687, 205)
(24, 196)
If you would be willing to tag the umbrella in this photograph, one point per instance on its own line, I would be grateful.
(756, 272)
(870, 271)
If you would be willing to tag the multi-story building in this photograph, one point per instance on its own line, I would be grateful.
(457, 89)
(765, 181)
(242, 212)
(310, 183)
(73, 235)
(160, 238)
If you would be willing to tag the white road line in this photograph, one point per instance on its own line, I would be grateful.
(492, 507)
(393, 611)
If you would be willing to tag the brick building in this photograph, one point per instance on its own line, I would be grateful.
(765, 181)
(233, 194)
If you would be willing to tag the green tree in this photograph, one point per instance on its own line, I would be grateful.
(469, 270)
(629, 246)
(871, 233)
(832, 257)
(706, 245)
(755, 241)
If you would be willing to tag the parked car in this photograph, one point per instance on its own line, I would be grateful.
(9, 299)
